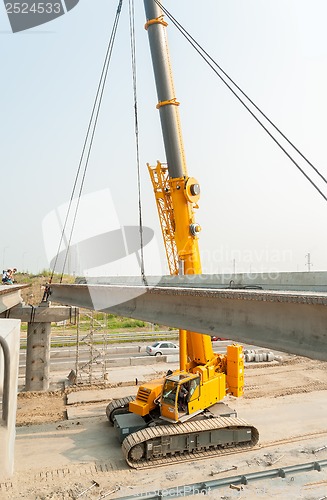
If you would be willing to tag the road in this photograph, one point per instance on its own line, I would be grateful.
(64, 358)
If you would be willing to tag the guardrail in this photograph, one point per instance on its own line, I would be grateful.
(206, 487)
(110, 338)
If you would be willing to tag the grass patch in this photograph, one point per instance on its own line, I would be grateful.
(102, 322)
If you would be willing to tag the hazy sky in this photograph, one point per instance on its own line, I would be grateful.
(256, 209)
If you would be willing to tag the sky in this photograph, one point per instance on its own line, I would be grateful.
(257, 212)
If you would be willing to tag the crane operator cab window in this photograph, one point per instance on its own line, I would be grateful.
(169, 392)
(188, 391)
(183, 395)
(179, 390)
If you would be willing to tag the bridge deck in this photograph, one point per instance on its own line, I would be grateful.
(288, 321)
(10, 296)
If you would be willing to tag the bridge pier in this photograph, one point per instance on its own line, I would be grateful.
(37, 374)
(39, 319)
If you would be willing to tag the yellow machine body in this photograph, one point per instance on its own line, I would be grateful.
(207, 384)
(146, 396)
(186, 242)
(235, 370)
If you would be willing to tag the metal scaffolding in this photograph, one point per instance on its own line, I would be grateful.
(91, 340)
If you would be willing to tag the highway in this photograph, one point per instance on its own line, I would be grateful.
(131, 344)
(64, 358)
(110, 338)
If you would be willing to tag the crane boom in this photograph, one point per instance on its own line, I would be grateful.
(167, 102)
(184, 191)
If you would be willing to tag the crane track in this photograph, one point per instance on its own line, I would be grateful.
(197, 427)
(117, 404)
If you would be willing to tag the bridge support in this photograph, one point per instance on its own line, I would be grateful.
(39, 321)
(38, 357)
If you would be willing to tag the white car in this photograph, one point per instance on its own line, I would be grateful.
(160, 348)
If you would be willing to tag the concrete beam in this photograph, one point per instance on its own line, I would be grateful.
(293, 322)
(10, 296)
(39, 314)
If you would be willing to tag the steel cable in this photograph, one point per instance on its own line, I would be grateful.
(136, 127)
(88, 139)
(205, 56)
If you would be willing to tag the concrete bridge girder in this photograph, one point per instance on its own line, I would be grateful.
(293, 322)
(10, 296)
(40, 314)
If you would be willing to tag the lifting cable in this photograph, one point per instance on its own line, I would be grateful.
(88, 142)
(136, 127)
(207, 58)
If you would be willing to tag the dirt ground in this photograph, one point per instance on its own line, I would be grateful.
(287, 402)
(295, 375)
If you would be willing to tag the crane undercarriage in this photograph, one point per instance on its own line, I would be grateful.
(152, 442)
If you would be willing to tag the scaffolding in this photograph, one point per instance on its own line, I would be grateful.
(92, 343)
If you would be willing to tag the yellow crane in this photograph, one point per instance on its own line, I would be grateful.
(181, 416)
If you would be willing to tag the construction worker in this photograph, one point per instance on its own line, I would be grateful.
(8, 276)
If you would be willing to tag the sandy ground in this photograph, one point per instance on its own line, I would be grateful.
(287, 403)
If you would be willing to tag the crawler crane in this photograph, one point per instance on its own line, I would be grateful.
(181, 416)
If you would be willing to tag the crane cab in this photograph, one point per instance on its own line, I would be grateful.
(180, 396)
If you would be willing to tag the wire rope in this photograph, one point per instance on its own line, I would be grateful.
(88, 142)
(204, 56)
(136, 127)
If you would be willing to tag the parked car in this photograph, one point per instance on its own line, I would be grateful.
(160, 348)
(214, 339)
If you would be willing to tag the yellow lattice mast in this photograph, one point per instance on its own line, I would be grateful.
(160, 182)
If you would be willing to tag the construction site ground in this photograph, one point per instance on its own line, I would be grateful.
(64, 441)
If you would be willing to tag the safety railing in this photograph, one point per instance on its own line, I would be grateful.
(6, 381)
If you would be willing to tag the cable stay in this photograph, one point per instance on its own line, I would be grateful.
(214, 66)
(136, 127)
(89, 137)
(88, 143)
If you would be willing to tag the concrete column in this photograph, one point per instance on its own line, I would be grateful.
(38, 357)
(39, 321)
